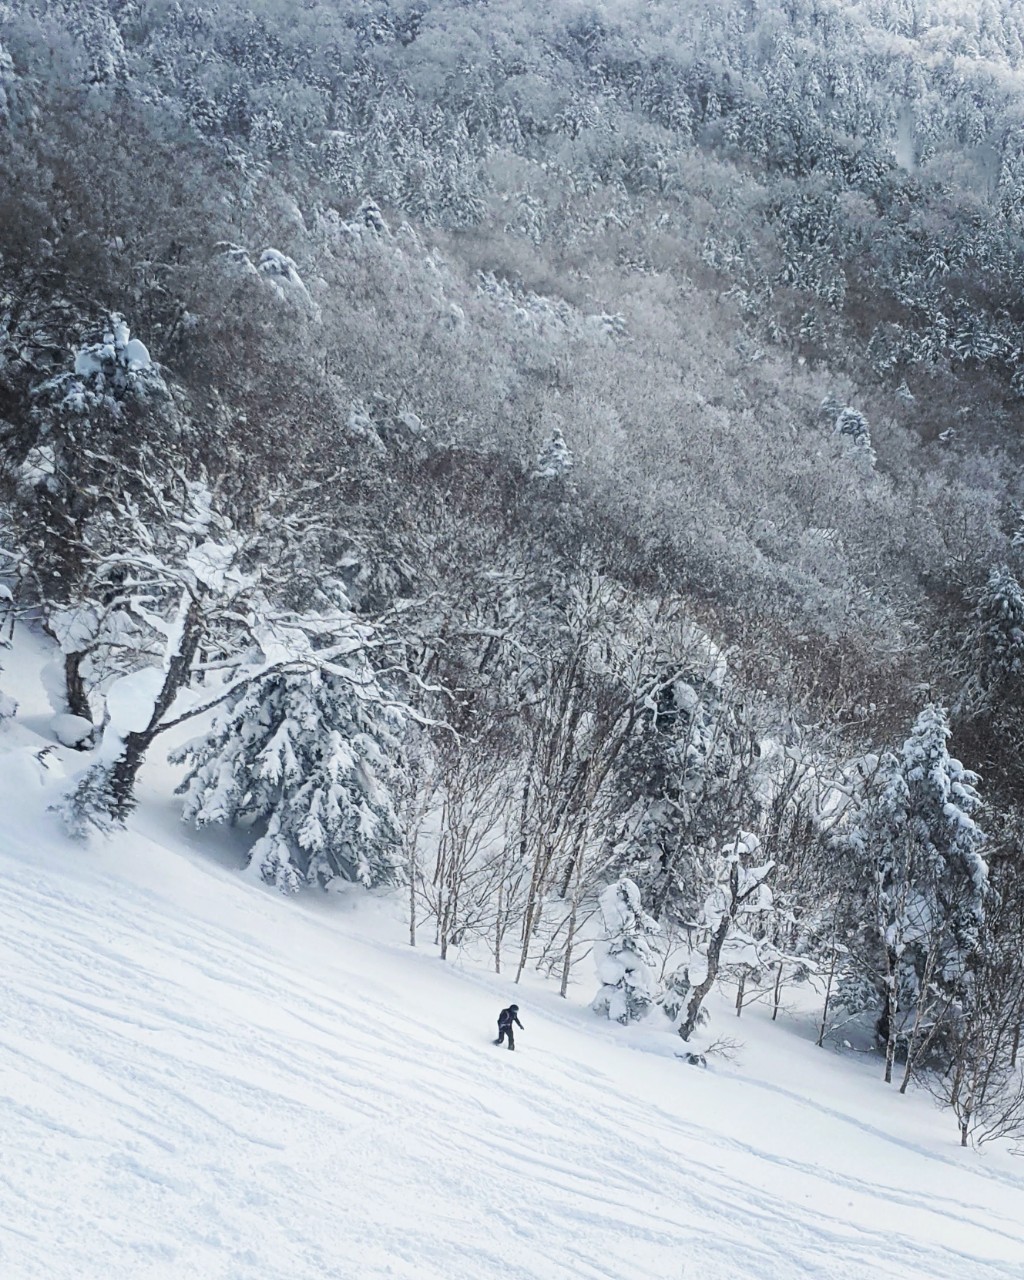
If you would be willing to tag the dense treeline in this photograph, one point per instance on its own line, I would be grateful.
(560, 448)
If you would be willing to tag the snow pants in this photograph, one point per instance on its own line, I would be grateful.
(502, 1033)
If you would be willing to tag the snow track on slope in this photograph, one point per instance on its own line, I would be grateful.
(179, 1097)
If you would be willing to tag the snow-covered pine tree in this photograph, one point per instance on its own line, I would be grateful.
(626, 961)
(94, 428)
(555, 460)
(997, 639)
(921, 852)
(312, 755)
(90, 420)
(692, 767)
(368, 215)
(943, 802)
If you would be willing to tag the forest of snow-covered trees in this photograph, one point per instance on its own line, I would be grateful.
(565, 463)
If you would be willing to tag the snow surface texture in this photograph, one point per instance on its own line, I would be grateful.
(184, 1094)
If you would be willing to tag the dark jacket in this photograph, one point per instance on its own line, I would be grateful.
(506, 1018)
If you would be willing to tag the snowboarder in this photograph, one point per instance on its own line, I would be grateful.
(505, 1021)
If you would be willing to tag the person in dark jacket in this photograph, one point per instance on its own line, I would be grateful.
(505, 1020)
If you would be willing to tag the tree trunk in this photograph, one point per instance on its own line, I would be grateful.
(531, 915)
(907, 1072)
(412, 899)
(965, 1120)
(499, 918)
(741, 987)
(913, 1041)
(777, 990)
(718, 938)
(454, 889)
(75, 694)
(577, 893)
(689, 1024)
(828, 997)
(890, 1010)
(531, 893)
(121, 775)
(926, 1003)
(567, 961)
(890, 1040)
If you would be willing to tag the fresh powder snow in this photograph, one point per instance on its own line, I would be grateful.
(202, 1078)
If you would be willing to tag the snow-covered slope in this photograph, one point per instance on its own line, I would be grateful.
(199, 1078)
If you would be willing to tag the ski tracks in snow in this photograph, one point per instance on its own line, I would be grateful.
(184, 1095)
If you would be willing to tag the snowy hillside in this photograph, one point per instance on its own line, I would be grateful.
(201, 1078)
(546, 483)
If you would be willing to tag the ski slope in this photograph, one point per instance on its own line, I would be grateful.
(199, 1078)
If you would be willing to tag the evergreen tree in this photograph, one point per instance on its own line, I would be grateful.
(692, 775)
(312, 755)
(555, 460)
(91, 432)
(997, 639)
(920, 850)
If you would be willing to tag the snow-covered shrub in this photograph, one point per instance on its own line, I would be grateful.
(626, 962)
